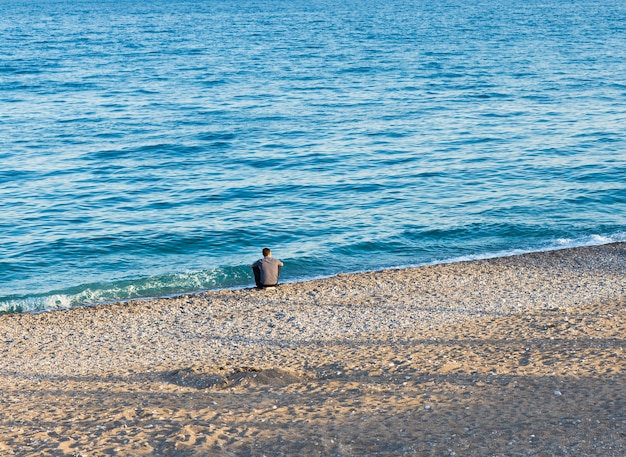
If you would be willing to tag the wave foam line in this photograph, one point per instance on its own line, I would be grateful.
(98, 293)
(225, 278)
(560, 243)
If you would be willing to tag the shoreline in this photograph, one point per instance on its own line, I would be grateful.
(516, 355)
(21, 304)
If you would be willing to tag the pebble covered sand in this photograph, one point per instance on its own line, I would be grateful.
(512, 356)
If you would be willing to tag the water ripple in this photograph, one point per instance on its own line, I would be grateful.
(154, 148)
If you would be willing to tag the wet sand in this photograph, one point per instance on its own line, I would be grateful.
(515, 356)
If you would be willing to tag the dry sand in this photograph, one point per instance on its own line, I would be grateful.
(515, 356)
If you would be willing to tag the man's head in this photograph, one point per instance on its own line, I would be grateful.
(267, 252)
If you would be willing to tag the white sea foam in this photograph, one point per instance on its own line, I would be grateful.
(562, 243)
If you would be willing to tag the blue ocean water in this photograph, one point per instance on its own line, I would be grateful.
(153, 148)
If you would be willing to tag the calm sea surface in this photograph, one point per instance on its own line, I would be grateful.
(150, 148)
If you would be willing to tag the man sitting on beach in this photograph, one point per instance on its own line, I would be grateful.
(266, 270)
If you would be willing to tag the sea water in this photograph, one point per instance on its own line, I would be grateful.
(152, 148)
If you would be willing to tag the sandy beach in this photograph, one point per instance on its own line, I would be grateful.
(513, 356)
